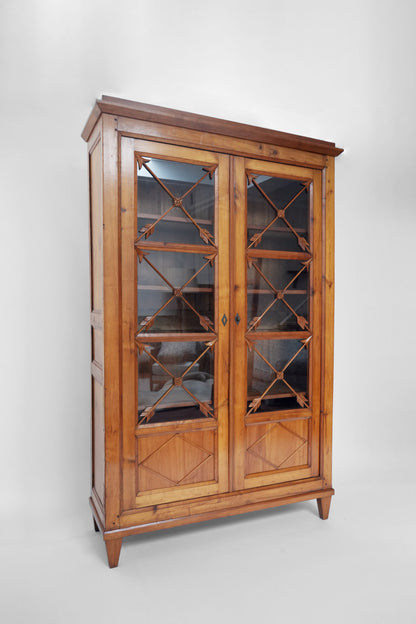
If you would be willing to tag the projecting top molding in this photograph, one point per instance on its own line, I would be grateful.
(169, 116)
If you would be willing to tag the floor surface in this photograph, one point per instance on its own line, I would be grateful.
(282, 565)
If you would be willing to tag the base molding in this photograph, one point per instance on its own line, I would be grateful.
(218, 513)
(113, 538)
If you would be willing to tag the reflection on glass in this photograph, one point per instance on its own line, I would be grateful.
(172, 384)
(175, 292)
(269, 310)
(277, 375)
(288, 232)
(165, 189)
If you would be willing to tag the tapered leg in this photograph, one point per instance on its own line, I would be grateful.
(323, 506)
(113, 551)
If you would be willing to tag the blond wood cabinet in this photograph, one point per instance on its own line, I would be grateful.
(212, 318)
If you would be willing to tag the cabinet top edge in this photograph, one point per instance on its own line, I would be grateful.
(159, 114)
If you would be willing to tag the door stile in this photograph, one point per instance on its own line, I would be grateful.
(238, 347)
(222, 306)
(316, 326)
(128, 316)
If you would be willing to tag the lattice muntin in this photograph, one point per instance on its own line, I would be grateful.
(279, 376)
(203, 408)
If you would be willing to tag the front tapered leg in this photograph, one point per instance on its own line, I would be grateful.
(113, 547)
(323, 506)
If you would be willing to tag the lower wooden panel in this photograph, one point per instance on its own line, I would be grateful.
(276, 446)
(176, 459)
(169, 464)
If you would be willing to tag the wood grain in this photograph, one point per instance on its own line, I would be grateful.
(159, 114)
(160, 474)
(328, 273)
(113, 547)
(111, 228)
(323, 507)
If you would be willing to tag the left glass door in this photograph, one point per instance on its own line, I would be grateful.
(174, 248)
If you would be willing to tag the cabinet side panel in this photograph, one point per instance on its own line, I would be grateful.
(97, 339)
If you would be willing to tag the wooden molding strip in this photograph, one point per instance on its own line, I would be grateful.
(217, 513)
(278, 255)
(201, 424)
(176, 337)
(181, 247)
(159, 114)
(277, 335)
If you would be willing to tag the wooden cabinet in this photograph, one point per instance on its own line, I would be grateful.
(212, 318)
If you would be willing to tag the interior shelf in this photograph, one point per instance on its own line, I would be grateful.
(194, 289)
(276, 228)
(268, 291)
(173, 218)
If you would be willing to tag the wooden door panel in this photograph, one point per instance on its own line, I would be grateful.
(173, 460)
(174, 229)
(277, 286)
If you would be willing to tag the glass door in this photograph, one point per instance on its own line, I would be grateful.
(175, 309)
(276, 338)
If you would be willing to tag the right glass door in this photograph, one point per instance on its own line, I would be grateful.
(276, 350)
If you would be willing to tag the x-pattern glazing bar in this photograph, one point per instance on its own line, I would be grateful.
(279, 376)
(280, 214)
(205, 322)
(176, 381)
(148, 229)
(279, 295)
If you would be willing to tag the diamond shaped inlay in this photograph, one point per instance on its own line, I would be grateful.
(280, 445)
(176, 459)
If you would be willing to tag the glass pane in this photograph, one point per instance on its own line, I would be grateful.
(286, 387)
(155, 199)
(161, 306)
(167, 386)
(266, 309)
(261, 214)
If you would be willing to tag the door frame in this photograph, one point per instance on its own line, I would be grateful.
(238, 366)
(131, 499)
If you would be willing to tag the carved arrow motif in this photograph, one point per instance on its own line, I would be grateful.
(141, 254)
(142, 347)
(210, 170)
(255, 404)
(302, 322)
(147, 322)
(148, 412)
(256, 238)
(254, 322)
(206, 323)
(142, 161)
(206, 409)
(147, 229)
(206, 236)
(211, 258)
(303, 243)
(301, 399)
